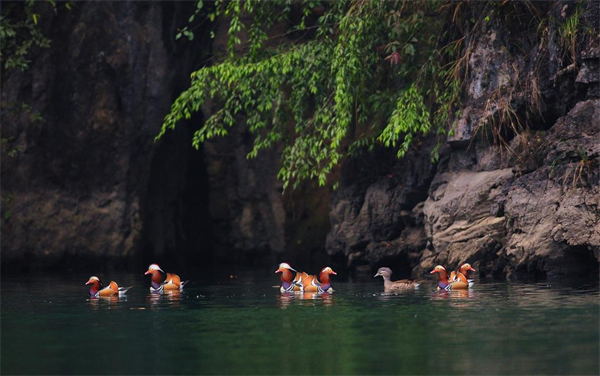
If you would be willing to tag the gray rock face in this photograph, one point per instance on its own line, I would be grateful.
(377, 212)
(553, 213)
(527, 209)
(545, 222)
(461, 220)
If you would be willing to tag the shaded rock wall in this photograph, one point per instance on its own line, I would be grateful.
(89, 186)
(376, 215)
(88, 183)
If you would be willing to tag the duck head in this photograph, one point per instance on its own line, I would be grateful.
(465, 268)
(286, 272)
(442, 274)
(440, 270)
(155, 271)
(324, 275)
(386, 273)
(96, 284)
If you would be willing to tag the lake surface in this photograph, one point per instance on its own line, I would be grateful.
(51, 326)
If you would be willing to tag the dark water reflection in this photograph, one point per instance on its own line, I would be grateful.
(50, 326)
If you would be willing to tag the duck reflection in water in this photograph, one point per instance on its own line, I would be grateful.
(387, 295)
(286, 298)
(172, 298)
(453, 294)
(103, 301)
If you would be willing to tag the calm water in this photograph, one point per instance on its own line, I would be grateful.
(50, 326)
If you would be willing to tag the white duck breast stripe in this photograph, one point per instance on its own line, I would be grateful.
(160, 288)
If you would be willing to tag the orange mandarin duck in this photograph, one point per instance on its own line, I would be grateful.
(98, 289)
(462, 274)
(171, 282)
(310, 283)
(457, 280)
(464, 271)
(443, 277)
(389, 286)
(289, 282)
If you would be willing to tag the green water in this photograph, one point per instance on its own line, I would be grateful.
(50, 326)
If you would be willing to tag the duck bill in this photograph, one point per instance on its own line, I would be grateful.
(433, 271)
(334, 273)
(278, 271)
(87, 283)
(472, 269)
(148, 272)
(376, 275)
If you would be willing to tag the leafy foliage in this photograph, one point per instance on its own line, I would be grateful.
(345, 75)
(19, 33)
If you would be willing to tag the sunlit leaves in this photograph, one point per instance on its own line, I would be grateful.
(326, 96)
(19, 34)
(409, 118)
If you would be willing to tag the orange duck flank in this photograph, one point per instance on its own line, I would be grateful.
(459, 281)
(310, 283)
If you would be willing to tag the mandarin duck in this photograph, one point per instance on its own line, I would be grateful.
(310, 283)
(171, 282)
(457, 281)
(389, 286)
(464, 271)
(289, 282)
(443, 277)
(97, 289)
(462, 274)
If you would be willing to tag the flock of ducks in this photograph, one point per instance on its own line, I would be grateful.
(304, 282)
(160, 282)
(299, 282)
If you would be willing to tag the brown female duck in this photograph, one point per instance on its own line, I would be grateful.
(390, 286)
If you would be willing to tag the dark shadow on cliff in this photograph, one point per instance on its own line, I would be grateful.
(175, 210)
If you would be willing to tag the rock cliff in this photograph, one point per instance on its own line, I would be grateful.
(515, 192)
(86, 182)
